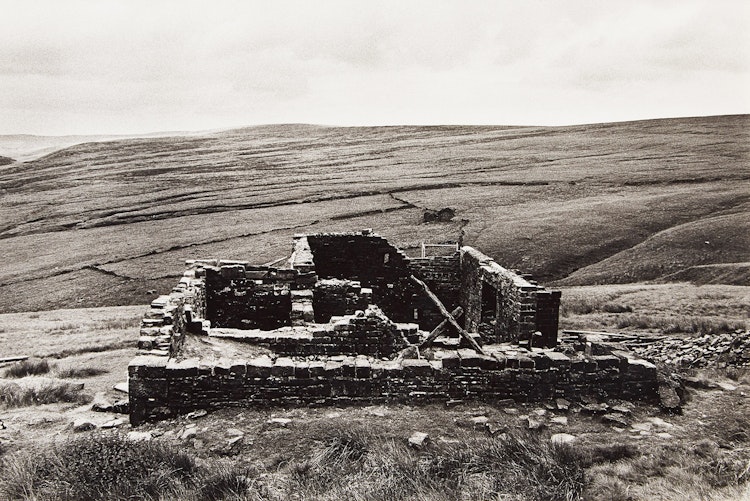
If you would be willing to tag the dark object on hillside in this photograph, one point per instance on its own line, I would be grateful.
(442, 215)
(6, 160)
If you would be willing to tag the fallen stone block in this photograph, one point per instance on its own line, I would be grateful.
(418, 440)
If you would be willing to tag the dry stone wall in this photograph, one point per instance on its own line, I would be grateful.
(161, 388)
(514, 302)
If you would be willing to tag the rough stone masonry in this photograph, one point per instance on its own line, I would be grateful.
(352, 319)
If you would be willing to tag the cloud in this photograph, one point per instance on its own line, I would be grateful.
(114, 66)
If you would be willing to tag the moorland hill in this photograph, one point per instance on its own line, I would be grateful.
(101, 223)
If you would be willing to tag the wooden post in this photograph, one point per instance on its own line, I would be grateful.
(442, 327)
(443, 311)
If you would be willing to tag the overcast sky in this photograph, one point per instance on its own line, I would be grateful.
(79, 67)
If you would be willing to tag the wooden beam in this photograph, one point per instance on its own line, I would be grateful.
(441, 328)
(446, 314)
(6, 360)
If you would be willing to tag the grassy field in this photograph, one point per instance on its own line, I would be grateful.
(474, 451)
(99, 224)
(661, 308)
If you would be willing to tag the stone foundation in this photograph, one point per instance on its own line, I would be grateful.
(342, 324)
(161, 388)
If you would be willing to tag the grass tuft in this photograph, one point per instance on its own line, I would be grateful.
(16, 395)
(80, 372)
(29, 367)
(682, 324)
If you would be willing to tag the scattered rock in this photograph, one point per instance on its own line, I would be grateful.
(730, 349)
(122, 387)
(479, 421)
(561, 420)
(695, 382)
(189, 433)
(726, 386)
(418, 440)
(197, 414)
(279, 421)
(670, 391)
(115, 423)
(660, 423)
(101, 404)
(121, 407)
(664, 434)
(562, 404)
(562, 438)
(234, 432)
(540, 412)
(231, 447)
(2, 425)
(377, 411)
(595, 408)
(622, 410)
(453, 403)
(83, 425)
(668, 399)
(615, 418)
(641, 427)
(139, 436)
(534, 423)
(511, 410)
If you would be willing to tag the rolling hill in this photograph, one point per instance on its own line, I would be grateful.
(102, 223)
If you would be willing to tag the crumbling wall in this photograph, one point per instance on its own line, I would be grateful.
(371, 260)
(237, 298)
(160, 388)
(516, 311)
(367, 332)
(170, 317)
(335, 296)
(442, 276)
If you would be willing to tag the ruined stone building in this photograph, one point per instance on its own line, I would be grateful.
(351, 319)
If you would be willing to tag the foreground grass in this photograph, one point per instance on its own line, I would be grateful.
(349, 464)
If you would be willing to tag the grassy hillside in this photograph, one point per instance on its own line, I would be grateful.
(102, 223)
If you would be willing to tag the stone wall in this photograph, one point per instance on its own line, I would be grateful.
(160, 388)
(371, 260)
(513, 303)
(335, 296)
(246, 299)
(367, 332)
(442, 275)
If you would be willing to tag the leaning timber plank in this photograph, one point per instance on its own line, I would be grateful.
(19, 358)
(444, 311)
(441, 328)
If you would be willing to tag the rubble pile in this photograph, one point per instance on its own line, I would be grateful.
(722, 350)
